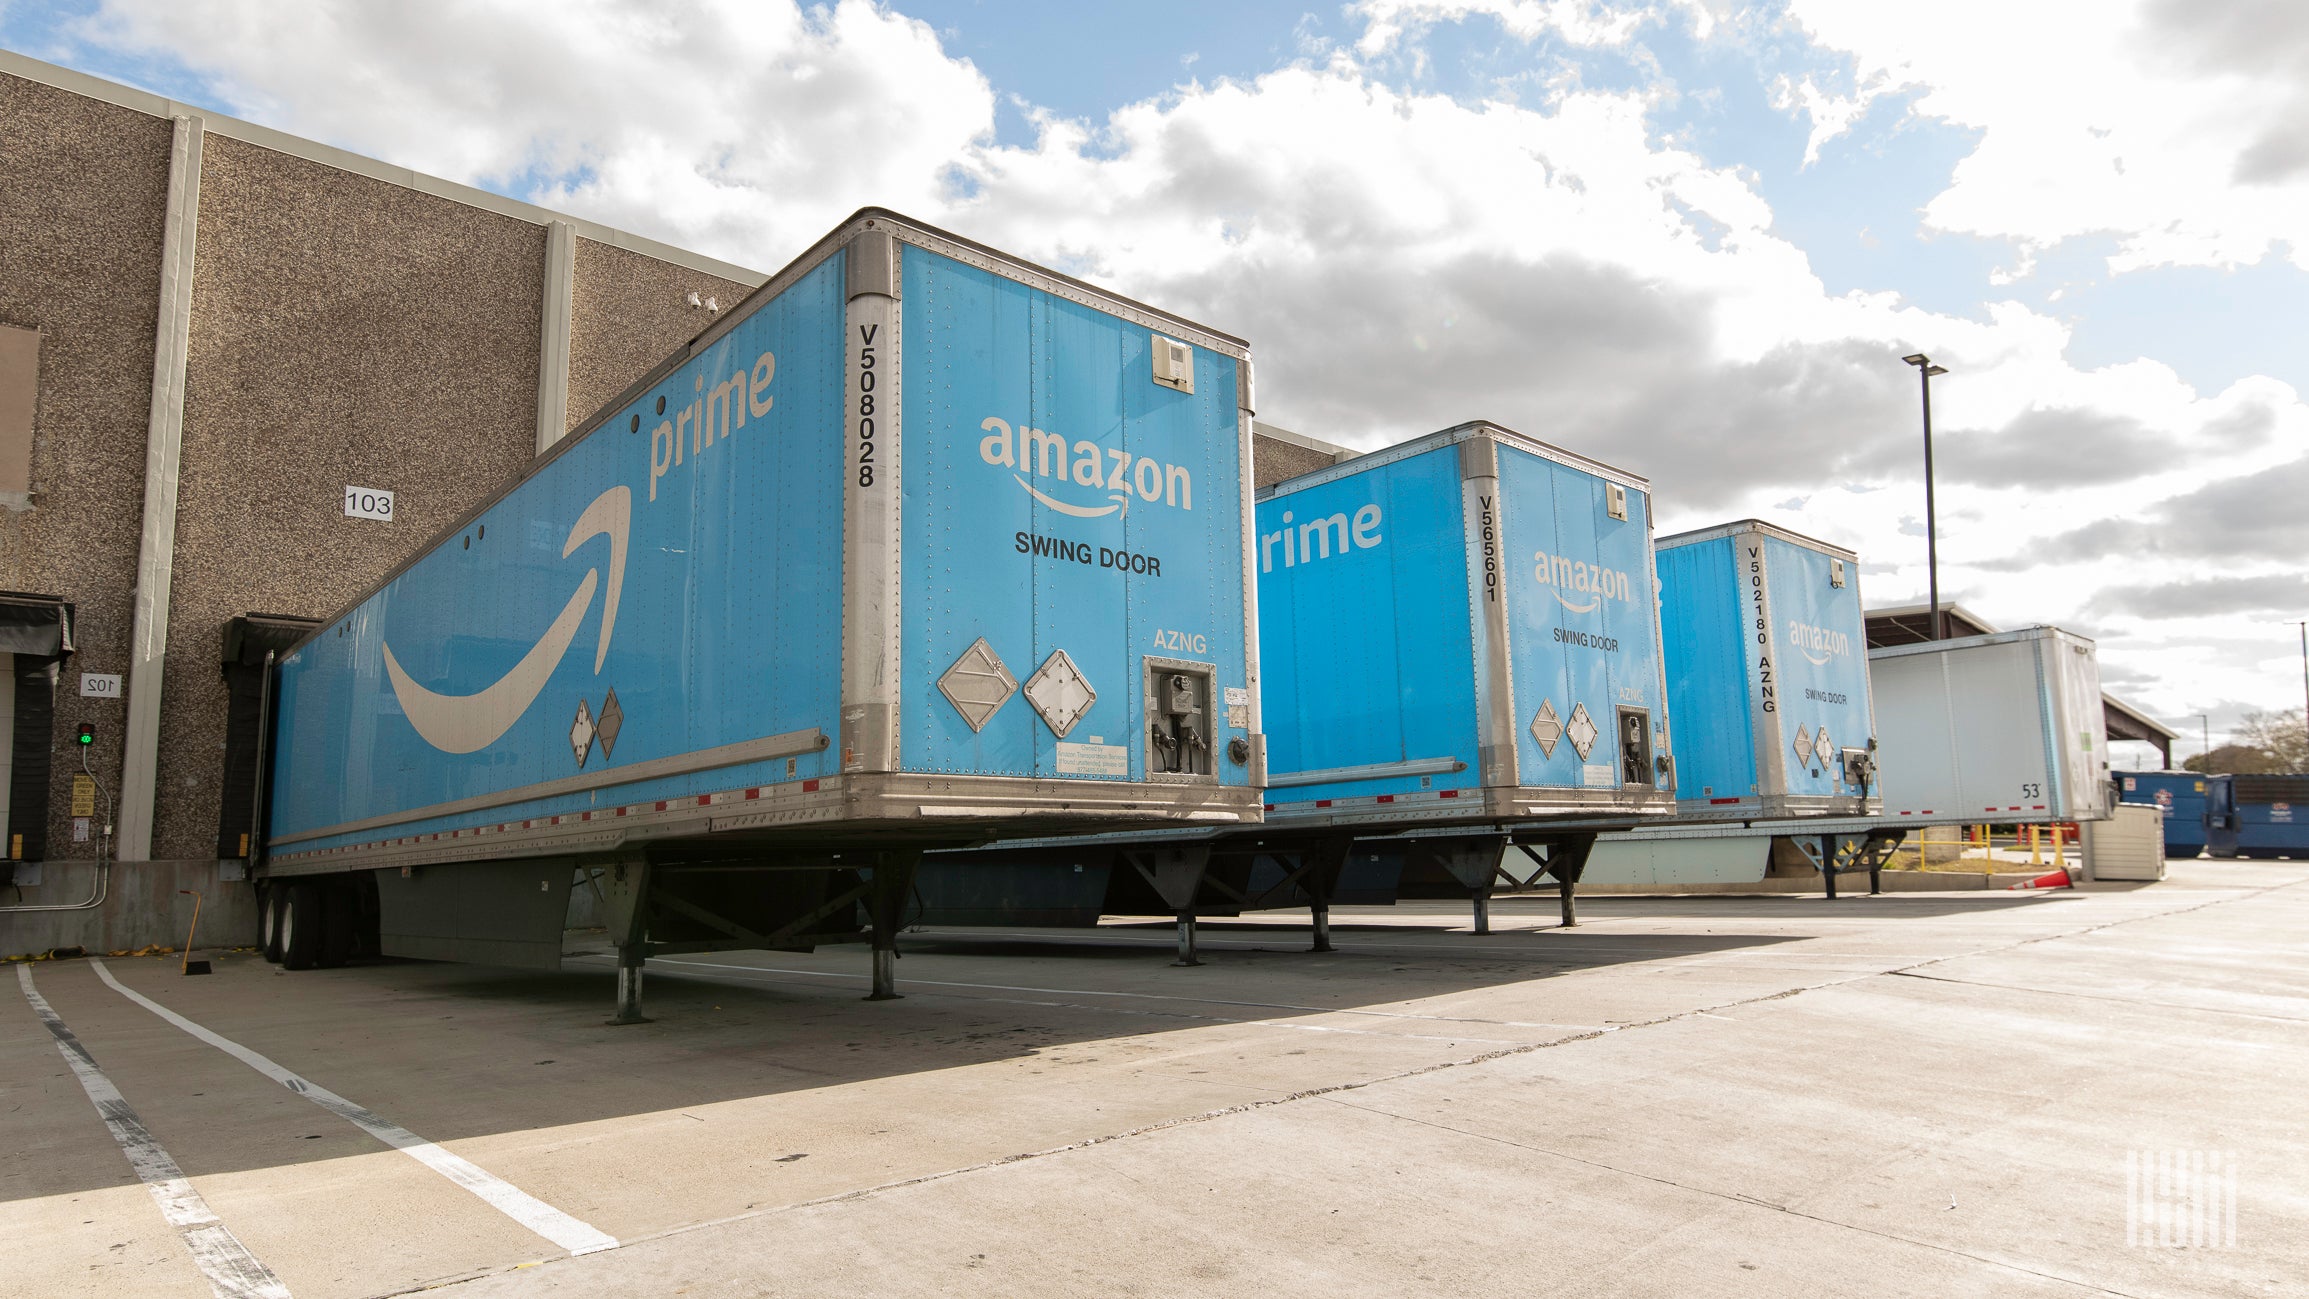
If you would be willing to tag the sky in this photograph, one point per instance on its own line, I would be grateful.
(1692, 238)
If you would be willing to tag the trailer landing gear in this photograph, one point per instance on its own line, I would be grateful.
(629, 961)
(1834, 854)
(893, 880)
(792, 901)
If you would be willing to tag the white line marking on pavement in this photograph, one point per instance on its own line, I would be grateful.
(535, 1214)
(232, 1271)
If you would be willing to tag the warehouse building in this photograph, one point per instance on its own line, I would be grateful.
(210, 333)
(220, 346)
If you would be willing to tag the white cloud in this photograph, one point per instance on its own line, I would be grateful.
(1389, 23)
(1831, 114)
(740, 127)
(2176, 127)
(1401, 261)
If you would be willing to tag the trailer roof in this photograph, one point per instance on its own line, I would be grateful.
(1453, 436)
(908, 230)
(1754, 525)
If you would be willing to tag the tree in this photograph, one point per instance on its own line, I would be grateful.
(2280, 735)
(2234, 759)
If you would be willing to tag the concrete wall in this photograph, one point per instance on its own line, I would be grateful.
(145, 905)
(1272, 461)
(83, 193)
(629, 312)
(351, 324)
(344, 332)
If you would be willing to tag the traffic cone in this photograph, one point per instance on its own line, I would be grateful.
(2056, 880)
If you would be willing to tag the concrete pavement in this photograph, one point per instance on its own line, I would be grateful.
(1917, 1094)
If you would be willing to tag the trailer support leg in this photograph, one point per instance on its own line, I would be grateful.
(625, 890)
(1473, 861)
(1828, 864)
(1176, 875)
(629, 959)
(1322, 880)
(1568, 861)
(893, 880)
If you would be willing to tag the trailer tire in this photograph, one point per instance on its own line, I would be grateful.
(300, 926)
(340, 920)
(269, 904)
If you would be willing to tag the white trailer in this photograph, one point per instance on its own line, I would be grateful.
(2004, 728)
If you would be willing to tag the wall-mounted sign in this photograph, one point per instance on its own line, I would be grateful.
(100, 685)
(368, 503)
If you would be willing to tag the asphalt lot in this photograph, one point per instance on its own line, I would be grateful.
(1918, 1094)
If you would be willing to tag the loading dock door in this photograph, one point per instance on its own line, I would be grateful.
(35, 639)
(246, 641)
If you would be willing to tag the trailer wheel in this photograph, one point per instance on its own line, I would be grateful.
(300, 926)
(340, 920)
(269, 905)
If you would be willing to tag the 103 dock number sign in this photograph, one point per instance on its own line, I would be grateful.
(369, 503)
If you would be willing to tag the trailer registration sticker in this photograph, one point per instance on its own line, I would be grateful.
(1093, 759)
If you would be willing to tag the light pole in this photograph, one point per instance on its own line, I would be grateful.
(1925, 369)
(2304, 626)
(2205, 720)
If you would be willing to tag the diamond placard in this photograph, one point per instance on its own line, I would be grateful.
(581, 733)
(1804, 744)
(1060, 693)
(1547, 728)
(612, 721)
(1822, 747)
(978, 684)
(1580, 731)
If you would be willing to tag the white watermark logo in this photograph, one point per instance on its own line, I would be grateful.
(2181, 1199)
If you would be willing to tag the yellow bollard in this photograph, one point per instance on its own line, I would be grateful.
(2036, 845)
(2057, 859)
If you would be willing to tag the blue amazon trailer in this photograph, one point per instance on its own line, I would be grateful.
(1462, 628)
(918, 545)
(2182, 795)
(1767, 667)
(1460, 644)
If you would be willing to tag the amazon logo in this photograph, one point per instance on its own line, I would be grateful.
(1579, 586)
(1082, 473)
(1819, 645)
(467, 723)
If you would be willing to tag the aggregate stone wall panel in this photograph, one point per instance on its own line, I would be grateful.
(345, 332)
(83, 203)
(1273, 460)
(627, 313)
